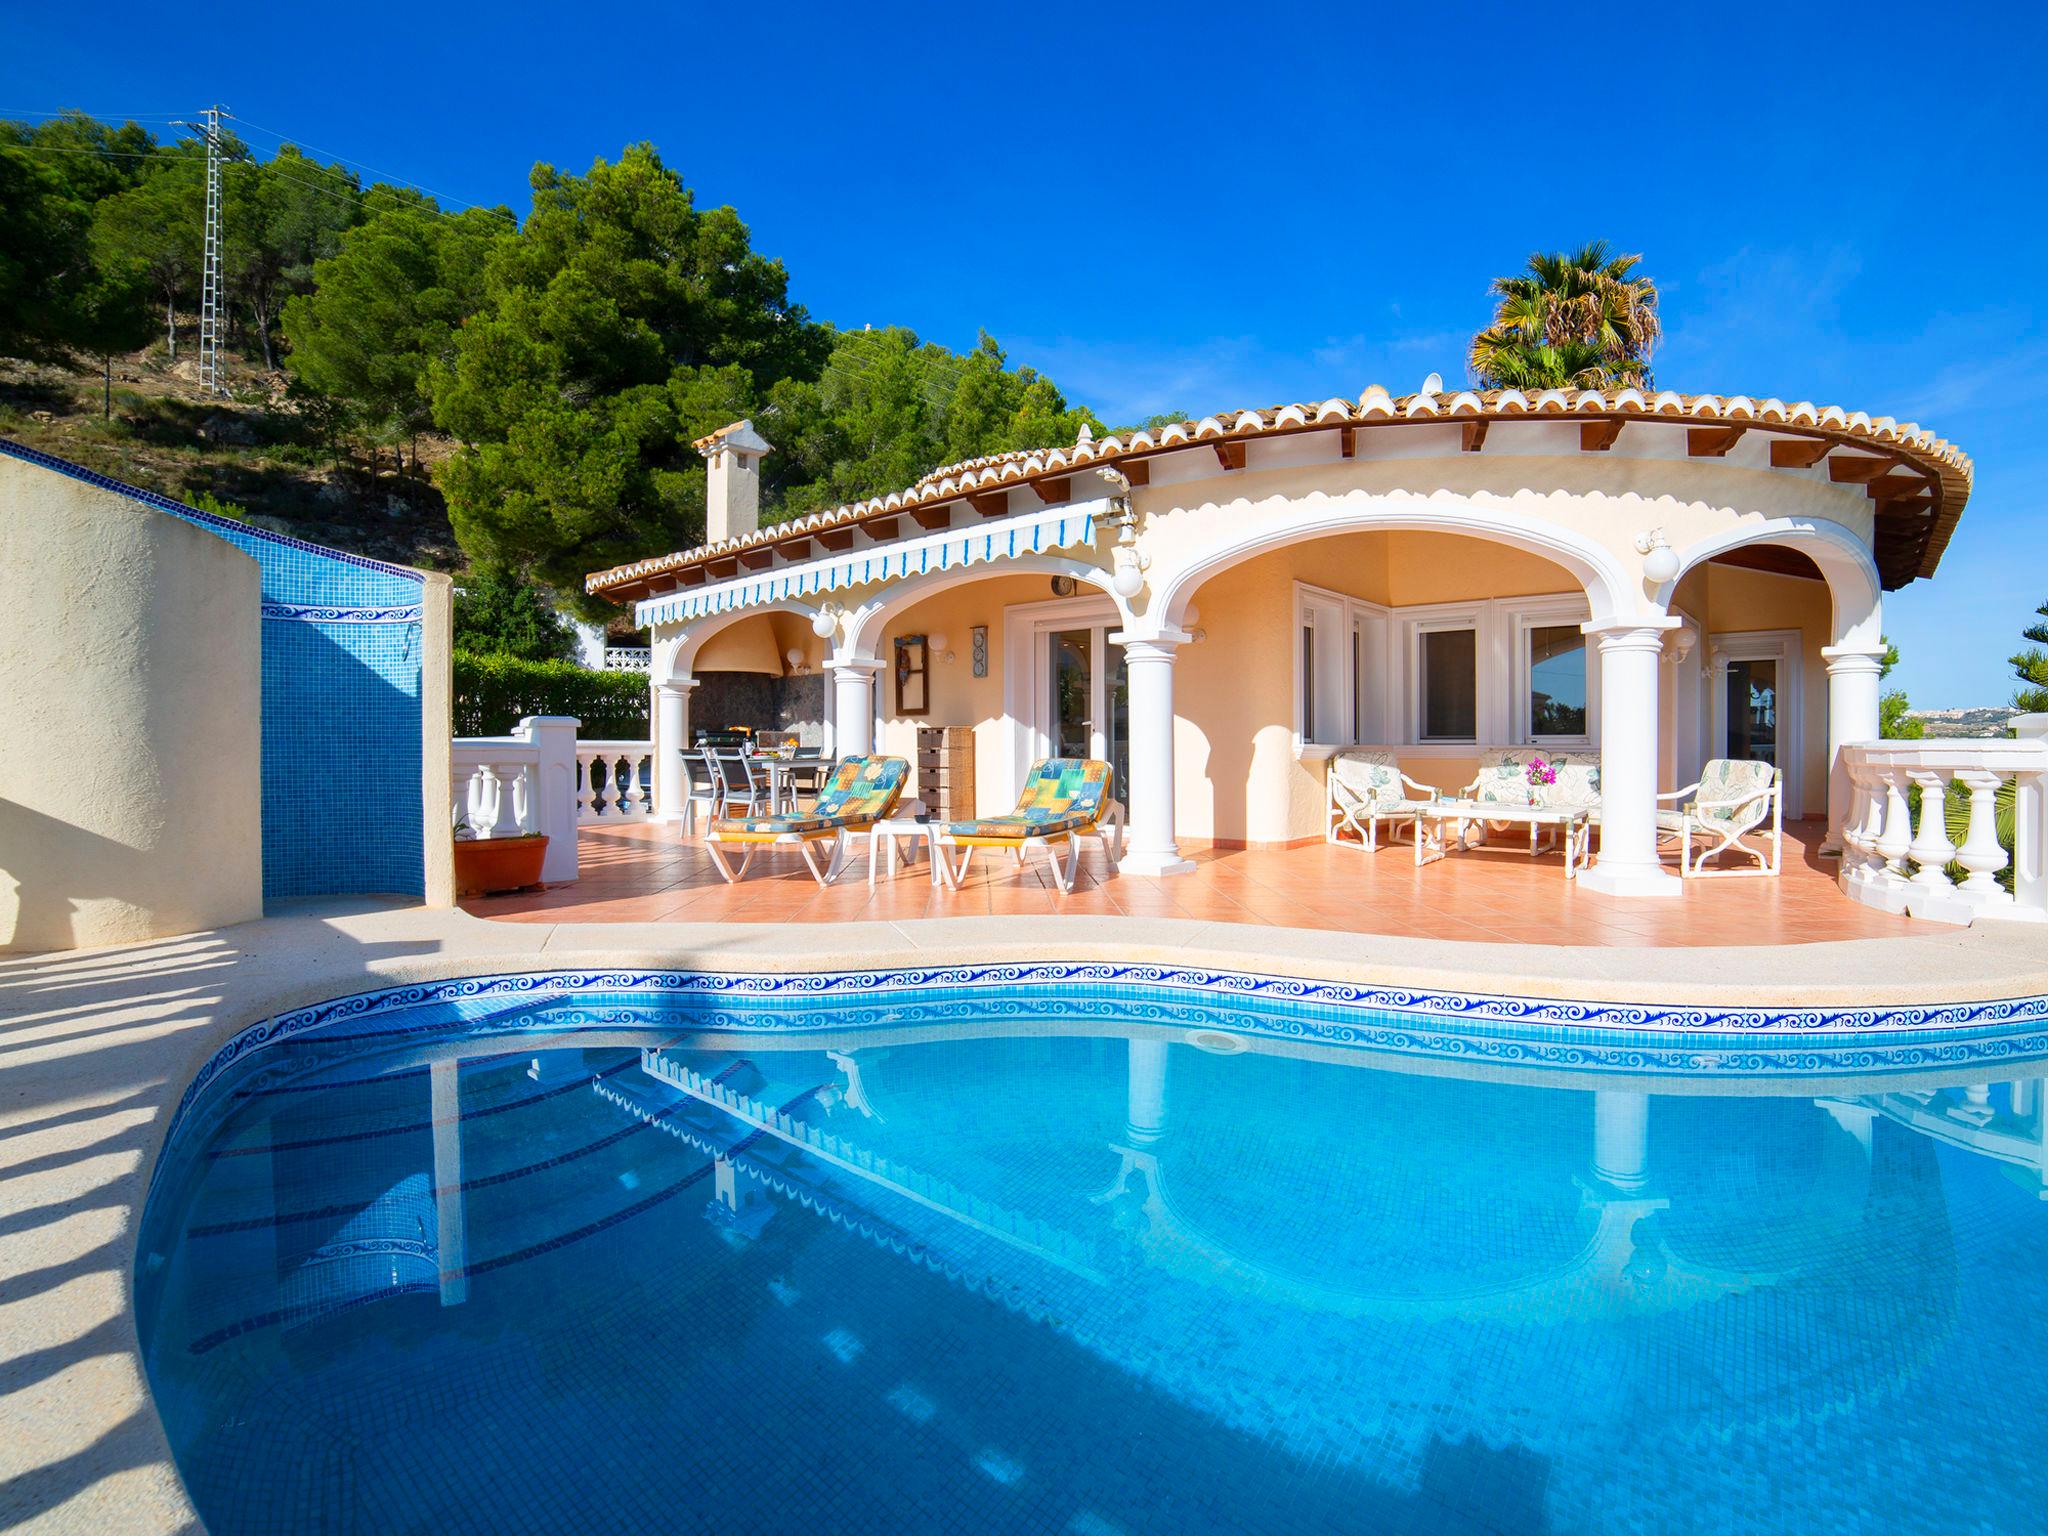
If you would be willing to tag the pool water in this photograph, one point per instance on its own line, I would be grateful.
(987, 1270)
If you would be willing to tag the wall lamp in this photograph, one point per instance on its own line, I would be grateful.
(1660, 560)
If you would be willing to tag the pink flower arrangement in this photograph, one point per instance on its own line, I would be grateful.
(1542, 772)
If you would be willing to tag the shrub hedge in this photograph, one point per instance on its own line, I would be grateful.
(493, 692)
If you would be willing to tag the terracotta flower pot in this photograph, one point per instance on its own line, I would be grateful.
(486, 865)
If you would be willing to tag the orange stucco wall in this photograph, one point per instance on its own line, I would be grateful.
(1238, 777)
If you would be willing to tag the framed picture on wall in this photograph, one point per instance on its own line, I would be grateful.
(913, 676)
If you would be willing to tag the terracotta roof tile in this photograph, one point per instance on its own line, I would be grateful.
(1949, 466)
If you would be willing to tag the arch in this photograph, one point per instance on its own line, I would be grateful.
(1610, 590)
(862, 631)
(1844, 560)
(675, 659)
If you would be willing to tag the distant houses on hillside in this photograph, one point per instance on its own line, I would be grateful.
(1993, 720)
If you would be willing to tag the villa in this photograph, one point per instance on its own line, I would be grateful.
(1221, 608)
(1226, 1169)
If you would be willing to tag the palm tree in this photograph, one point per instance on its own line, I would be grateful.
(1573, 319)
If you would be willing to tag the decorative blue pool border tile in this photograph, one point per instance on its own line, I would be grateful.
(1496, 1028)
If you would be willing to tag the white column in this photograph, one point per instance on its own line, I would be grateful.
(1148, 663)
(451, 1234)
(671, 738)
(554, 813)
(1621, 1138)
(1629, 662)
(1147, 1092)
(853, 694)
(2030, 826)
(1854, 672)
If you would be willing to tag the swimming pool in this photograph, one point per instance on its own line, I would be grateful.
(1116, 1251)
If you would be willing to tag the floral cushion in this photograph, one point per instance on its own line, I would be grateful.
(1374, 778)
(1734, 791)
(1061, 794)
(862, 790)
(1504, 778)
(774, 826)
(1578, 783)
(1503, 783)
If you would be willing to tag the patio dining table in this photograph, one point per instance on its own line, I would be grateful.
(787, 775)
(1444, 825)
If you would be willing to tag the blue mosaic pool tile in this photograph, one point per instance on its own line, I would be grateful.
(341, 663)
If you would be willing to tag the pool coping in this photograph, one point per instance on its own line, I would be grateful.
(98, 1048)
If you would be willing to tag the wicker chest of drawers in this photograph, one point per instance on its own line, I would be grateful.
(945, 771)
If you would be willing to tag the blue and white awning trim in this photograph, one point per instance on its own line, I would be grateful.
(314, 613)
(1033, 534)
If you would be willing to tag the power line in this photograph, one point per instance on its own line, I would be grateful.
(441, 197)
(64, 112)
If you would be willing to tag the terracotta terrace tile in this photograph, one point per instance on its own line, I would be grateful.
(642, 872)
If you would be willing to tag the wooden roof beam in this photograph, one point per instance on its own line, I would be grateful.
(1712, 442)
(1230, 455)
(993, 503)
(1845, 469)
(1896, 487)
(1137, 471)
(1798, 452)
(759, 558)
(794, 549)
(1475, 435)
(838, 540)
(880, 529)
(1051, 491)
(1347, 442)
(932, 519)
(1599, 436)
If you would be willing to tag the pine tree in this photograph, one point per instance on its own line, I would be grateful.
(2031, 668)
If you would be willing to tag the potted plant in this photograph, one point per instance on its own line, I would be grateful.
(485, 866)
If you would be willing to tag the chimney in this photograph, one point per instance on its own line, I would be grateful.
(732, 494)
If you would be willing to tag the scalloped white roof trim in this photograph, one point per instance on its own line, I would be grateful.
(1000, 471)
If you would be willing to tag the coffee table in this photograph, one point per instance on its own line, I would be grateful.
(1435, 837)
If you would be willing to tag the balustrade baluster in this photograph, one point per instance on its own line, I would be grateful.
(485, 797)
(1897, 836)
(1931, 848)
(1981, 853)
(526, 800)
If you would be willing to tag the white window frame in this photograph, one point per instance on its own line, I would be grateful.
(1444, 618)
(1345, 629)
(1501, 628)
(1524, 615)
(1787, 647)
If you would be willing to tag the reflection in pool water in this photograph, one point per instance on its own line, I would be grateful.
(1092, 1281)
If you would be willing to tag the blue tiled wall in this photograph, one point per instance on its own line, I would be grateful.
(341, 706)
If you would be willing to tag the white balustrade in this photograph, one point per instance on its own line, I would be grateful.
(614, 781)
(1890, 863)
(510, 786)
(629, 658)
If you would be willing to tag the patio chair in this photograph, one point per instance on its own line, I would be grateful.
(1065, 799)
(1365, 788)
(740, 784)
(1733, 799)
(863, 791)
(700, 782)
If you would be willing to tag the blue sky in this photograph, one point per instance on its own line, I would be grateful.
(1180, 208)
